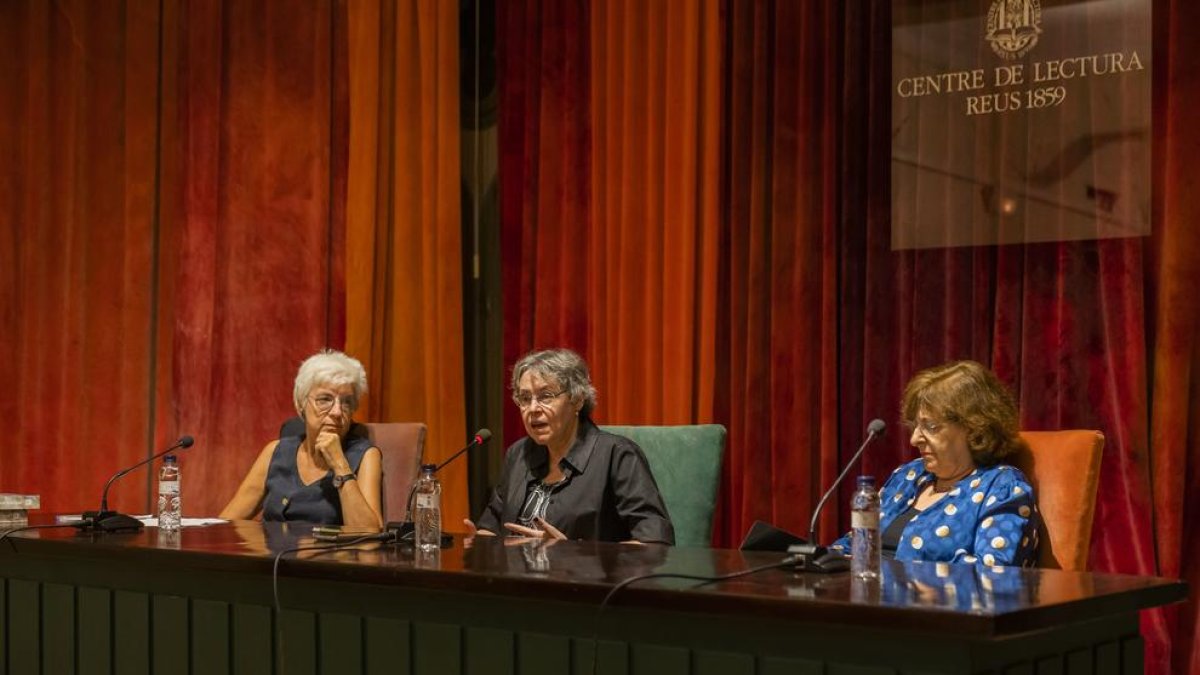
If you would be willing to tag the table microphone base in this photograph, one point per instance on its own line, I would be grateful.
(817, 559)
(109, 521)
(406, 533)
(404, 529)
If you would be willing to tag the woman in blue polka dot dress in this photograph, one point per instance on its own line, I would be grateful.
(957, 502)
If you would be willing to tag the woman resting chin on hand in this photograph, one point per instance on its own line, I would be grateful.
(331, 474)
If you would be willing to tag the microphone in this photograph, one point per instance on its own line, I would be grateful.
(482, 436)
(111, 521)
(810, 557)
(404, 529)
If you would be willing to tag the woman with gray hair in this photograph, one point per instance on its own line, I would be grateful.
(568, 479)
(330, 474)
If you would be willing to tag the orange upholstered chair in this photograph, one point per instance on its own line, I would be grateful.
(1064, 468)
(402, 445)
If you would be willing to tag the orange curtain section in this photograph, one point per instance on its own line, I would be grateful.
(77, 208)
(404, 228)
(609, 209)
(651, 286)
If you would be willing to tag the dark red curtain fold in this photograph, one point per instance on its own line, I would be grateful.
(1172, 270)
(545, 218)
(779, 373)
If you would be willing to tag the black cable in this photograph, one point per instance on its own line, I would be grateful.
(74, 523)
(786, 563)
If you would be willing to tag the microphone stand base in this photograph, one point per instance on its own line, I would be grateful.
(405, 530)
(406, 533)
(109, 521)
(815, 559)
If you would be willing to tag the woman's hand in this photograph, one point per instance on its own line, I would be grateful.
(472, 530)
(329, 446)
(548, 531)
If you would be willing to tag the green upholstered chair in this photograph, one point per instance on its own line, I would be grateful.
(686, 462)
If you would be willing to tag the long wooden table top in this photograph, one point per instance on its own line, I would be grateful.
(962, 600)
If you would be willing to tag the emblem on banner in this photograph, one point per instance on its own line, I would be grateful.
(1013, 27)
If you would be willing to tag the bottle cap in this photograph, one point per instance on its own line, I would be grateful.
(866, 480)
(169, 459)
(428, 468)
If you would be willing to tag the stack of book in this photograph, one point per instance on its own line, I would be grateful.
(14, 509)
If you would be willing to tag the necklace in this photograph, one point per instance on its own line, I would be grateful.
(950, 486)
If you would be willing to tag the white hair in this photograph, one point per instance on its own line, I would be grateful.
(328, 367)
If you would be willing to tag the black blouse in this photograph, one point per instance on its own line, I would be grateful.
(608, 492)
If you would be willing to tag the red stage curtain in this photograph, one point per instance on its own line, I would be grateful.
(78, 83)
(174, 235)
(819, 323)
(178, 199)
(404, 228)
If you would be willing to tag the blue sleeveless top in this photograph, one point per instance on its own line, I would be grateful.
(289, 499)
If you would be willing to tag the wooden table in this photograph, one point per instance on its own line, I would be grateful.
(201, 602)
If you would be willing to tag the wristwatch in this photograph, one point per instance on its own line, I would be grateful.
(339, 481)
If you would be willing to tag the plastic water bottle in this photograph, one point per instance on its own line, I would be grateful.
(865, 548)
(427, 513)
(169, 512)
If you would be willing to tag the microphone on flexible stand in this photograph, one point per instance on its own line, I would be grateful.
(112, 521)
(811, 557)
(404, 529)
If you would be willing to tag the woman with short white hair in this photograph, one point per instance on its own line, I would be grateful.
(330, 474)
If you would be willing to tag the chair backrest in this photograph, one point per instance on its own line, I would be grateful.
(686, 463)
(402, 445)
(1064, 469)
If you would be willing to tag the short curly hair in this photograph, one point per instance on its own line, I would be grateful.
(968, 394)
(563, 366)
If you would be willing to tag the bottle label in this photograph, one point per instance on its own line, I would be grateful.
(864, 520)
(168, 487)
(427, 501)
